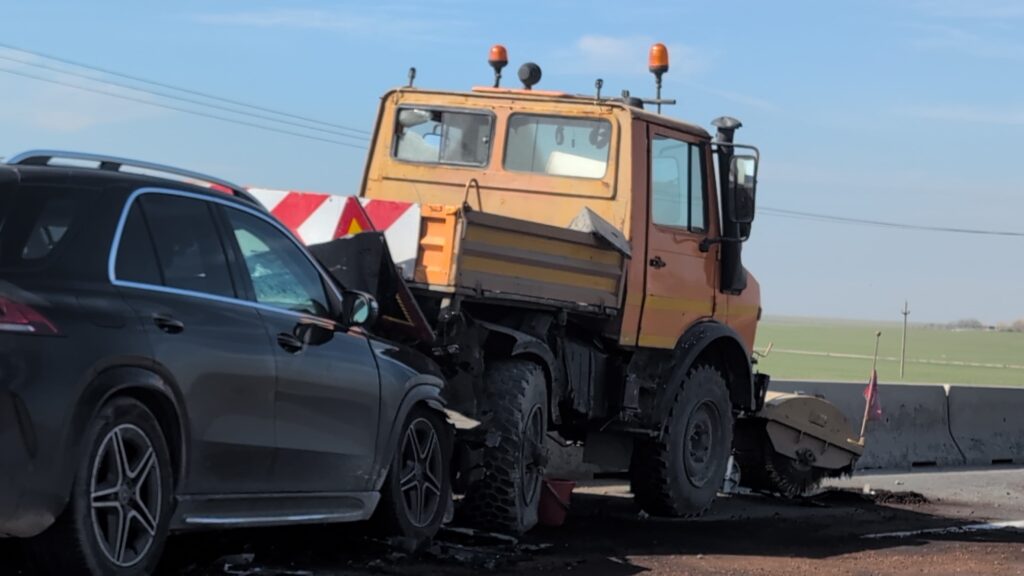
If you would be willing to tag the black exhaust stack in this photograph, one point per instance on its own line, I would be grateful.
(733, 275)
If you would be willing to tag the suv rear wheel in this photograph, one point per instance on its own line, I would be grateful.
(116, 521)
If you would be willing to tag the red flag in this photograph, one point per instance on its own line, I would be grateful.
(874, 407)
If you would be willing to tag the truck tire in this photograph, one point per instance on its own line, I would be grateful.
(121, 501)
(679, 474)
(505, 499)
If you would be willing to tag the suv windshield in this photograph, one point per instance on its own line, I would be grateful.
(557, 146)
(442, 137)
(33, 221)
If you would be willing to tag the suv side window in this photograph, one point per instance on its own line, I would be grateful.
(35, 220)
(677, 184)
(188, 244)
(282, 275)
(136, 256)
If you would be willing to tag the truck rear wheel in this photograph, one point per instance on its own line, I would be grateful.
(679, 474)
(505, 499)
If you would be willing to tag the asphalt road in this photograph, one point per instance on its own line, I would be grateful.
(911, 524)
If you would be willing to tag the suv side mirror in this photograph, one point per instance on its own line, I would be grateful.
(359, 308)
(742, 186)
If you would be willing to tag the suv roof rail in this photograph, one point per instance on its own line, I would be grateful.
(114, 164)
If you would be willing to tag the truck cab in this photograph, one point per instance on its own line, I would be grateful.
(544, 157)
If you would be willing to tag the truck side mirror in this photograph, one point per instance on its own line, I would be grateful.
(742, 186)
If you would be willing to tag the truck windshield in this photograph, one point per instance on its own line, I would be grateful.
(558, 146)
(442, 137)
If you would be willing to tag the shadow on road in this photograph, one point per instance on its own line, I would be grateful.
(599, 539)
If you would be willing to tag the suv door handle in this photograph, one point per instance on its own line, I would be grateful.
(657, 262)
(168, 324)
(289, 343)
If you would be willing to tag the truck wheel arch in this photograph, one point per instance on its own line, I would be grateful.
(716, 344)
(503, 342)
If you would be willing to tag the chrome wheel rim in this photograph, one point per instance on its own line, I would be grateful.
(700, 443)
(421, 473)
(533, 441)
(125, 495)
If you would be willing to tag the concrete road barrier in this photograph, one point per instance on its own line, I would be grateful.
(922, 425)
(988, 424)
(914, 430)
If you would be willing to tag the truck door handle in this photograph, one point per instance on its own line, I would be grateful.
(289, 343)
(168, 324)
(657, 262)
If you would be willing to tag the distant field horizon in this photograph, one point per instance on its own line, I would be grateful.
(890, 323)
(841, 349)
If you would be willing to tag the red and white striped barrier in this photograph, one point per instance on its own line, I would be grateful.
(317, 218)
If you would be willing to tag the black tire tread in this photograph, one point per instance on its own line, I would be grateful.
(651, 472)
(492, 503)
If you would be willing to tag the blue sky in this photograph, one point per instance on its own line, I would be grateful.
(907, 111)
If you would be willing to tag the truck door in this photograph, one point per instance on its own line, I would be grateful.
(680, 279)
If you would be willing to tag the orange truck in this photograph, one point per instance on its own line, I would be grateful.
(576, 269)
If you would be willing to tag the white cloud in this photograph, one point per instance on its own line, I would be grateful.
(953, 39)
(738, 98)
(407, 21)
(627, 56)
(308, 19)
(967, 114)
(44, 99)
(976, 9)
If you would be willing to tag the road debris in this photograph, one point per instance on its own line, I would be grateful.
(988, 526)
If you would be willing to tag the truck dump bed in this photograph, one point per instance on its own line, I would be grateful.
(448, 248)
(492, 255)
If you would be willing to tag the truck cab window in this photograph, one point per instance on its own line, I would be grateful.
(442, 137)
(677, 184)
(576, 147)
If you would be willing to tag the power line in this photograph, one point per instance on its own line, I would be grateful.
(180, 89)
(180, 98)
(361, 134)
(184, 110)
(798, 215)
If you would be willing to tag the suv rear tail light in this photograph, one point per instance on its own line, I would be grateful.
(22, 318)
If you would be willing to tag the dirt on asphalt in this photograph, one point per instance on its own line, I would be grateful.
(607, 536)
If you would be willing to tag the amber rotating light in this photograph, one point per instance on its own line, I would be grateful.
(657, 63)
(498, 59)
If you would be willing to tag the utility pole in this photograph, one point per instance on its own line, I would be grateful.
(903, 353)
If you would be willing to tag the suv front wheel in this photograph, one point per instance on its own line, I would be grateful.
(417, 492)
(116, 521)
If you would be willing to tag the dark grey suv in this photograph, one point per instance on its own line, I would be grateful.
(172, 358)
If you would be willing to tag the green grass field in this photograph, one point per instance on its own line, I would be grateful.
(800, 345)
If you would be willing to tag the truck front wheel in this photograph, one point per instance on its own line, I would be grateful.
(678, 475)
(505, 499)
